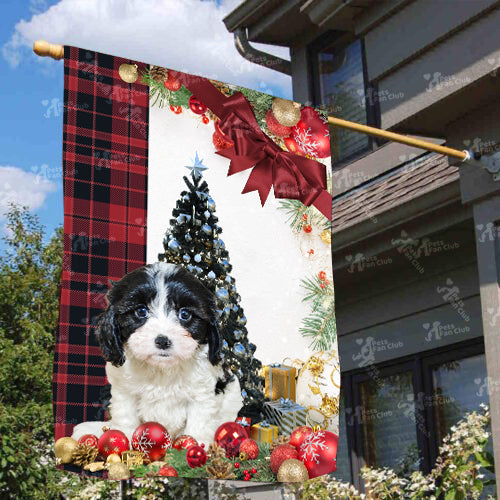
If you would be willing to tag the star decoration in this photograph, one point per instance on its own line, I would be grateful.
(197, 167)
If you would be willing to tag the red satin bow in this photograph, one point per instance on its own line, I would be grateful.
(290, 175)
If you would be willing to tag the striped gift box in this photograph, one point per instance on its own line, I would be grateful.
(286, 414)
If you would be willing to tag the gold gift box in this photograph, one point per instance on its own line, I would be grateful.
(264, 434)
(280, 381)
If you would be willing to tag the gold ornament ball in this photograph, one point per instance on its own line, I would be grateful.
(326, 237)
(64, 449)
(286, 112)
(128, 72)
(118, 470)
(113, 459)
(292, 471)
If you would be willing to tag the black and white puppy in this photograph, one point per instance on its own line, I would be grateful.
(160, 338)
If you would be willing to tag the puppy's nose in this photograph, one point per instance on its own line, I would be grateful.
(162, 342)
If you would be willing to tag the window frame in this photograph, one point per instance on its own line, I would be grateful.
(420, 364)
(338, 39)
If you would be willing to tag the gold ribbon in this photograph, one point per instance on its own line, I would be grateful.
(312, 423)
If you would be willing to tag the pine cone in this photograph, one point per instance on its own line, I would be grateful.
(277, 442)
(84, 454)
(222, 87)
(220, 470)
(216, 452)
(158, 74)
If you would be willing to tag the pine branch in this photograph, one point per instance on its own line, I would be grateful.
(161, 96)
(320, 327)
(320, 324)
(295, 210)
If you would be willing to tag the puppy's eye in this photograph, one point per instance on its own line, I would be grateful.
(142, 312)
(184, 314)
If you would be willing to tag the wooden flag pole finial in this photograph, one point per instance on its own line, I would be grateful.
(46, 49)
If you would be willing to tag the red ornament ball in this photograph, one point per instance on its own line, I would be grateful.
(307, 228)
(322, 275)
(246, 478)
(322, 285)
(275, 126)
(221, 141)
(230, 436)
(196, 456)
(299, 434)
(89, 440)
(253, 471)
(311, 134)
(112, 441)
(237, 465)
(281, 453)
(196, 106)
(168, 471)
(319, 453)
(152, 439)
(250, 447)
(171, 83)
(183, 442)
(176, 109)
(292, 146)
(205, 119)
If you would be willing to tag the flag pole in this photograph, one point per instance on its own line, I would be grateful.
(403, 139)
(45, 49)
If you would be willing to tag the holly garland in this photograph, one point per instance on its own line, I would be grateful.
(161, 96)
(258, 470)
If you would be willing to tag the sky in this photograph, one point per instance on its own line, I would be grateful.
(186, 35)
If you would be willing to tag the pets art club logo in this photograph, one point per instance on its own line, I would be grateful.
(347, 179)
(494, 315)
(363, 415)
(438, 81)
(437, 330)
(486, 386)
(360, 262)
(487, 232)
(373, 96)
(416, 248)
(450, 293)
(369, 348)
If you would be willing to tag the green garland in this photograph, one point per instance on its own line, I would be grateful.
(177, 459)
(161, 96)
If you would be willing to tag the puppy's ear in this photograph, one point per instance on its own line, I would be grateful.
(214, 339)
(109, 338)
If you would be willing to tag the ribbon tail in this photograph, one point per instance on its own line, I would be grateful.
(323, 203)
(261, 180)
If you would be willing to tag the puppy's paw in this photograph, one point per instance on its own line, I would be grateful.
(94, 428)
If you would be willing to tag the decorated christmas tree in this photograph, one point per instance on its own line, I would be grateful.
(193, 241)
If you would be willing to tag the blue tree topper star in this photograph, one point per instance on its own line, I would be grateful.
(197, 167)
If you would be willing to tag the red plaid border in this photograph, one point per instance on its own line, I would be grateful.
(105, 159)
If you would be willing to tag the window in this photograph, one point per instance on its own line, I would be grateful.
(397, 413)
(339, 85)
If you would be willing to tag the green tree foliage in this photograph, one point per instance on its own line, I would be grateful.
(30, 273)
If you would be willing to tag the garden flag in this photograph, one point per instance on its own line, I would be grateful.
(197, 332)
